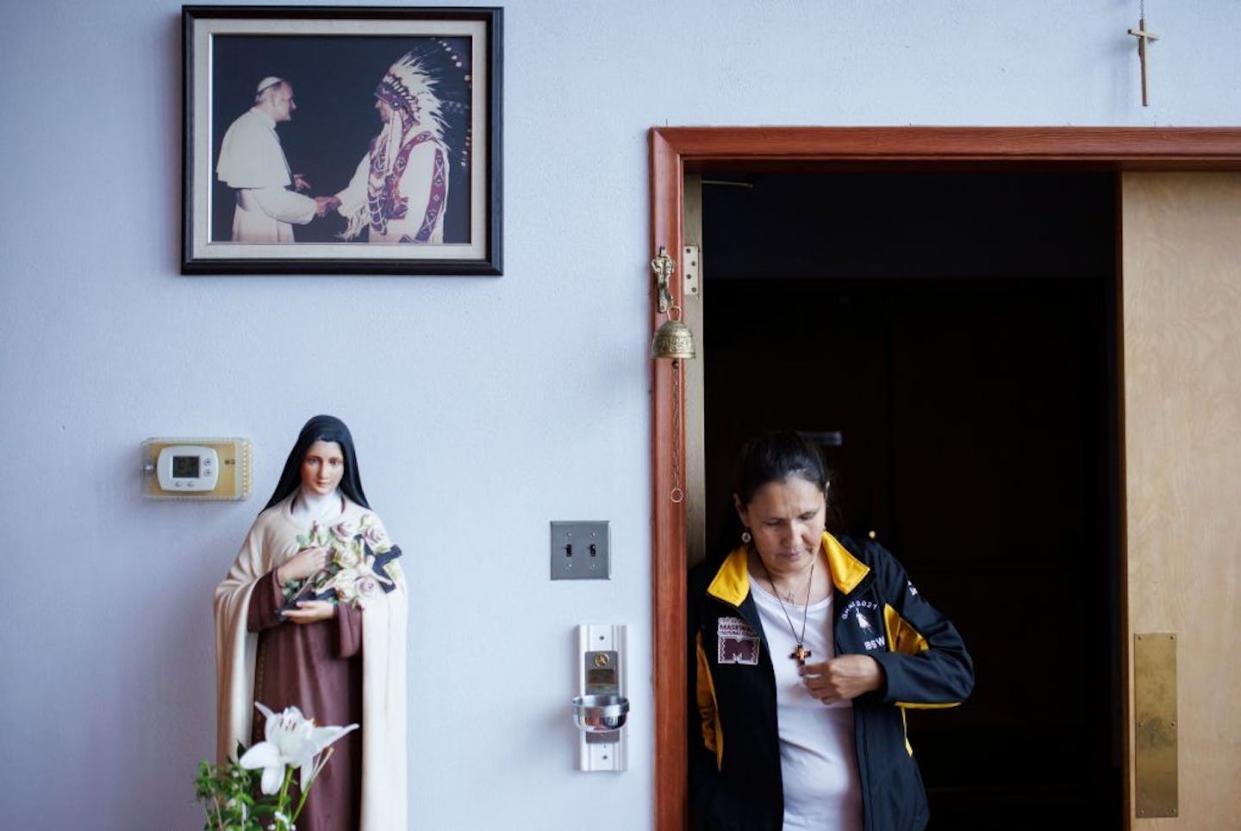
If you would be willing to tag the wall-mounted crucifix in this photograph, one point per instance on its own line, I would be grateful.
(1143, 37)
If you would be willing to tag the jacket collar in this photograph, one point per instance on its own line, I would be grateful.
(732, 582)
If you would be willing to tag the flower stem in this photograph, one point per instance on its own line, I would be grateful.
(283, 803)
(311, 781)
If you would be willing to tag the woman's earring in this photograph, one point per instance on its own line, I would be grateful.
(745, 536)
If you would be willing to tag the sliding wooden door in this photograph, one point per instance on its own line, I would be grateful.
(1182, 397)
(1181, 347)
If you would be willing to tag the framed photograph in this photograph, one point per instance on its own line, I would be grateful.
(341, 140)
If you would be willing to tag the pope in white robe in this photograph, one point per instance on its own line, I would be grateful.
(252, 162)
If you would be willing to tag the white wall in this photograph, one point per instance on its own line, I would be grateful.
(483, 407)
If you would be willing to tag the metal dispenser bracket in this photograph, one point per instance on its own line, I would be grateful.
(601, 708)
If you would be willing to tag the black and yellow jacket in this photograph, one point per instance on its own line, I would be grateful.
(734, 744)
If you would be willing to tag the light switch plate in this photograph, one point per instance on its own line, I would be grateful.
(580, 551)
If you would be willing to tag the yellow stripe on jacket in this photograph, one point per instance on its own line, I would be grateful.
(708, 709)
(905, 639)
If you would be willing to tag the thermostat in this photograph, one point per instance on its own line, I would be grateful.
(196, 468)
(189, 467)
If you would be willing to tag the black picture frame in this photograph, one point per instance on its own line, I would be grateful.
(334, 58)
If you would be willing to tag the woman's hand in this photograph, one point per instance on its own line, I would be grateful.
(303, 564)
(310, 611)
(843, 678)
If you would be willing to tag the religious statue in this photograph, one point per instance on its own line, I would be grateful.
(313, 614)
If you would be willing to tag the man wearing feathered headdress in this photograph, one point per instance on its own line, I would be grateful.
(399, 191)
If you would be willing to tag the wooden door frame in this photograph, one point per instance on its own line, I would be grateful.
(677, 150)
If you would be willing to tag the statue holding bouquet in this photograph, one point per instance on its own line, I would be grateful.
(312, 615)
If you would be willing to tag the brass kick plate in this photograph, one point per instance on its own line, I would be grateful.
(1154, 714)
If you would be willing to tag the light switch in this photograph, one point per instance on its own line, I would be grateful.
(580, 551)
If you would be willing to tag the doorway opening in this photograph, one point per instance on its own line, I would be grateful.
(949, 340)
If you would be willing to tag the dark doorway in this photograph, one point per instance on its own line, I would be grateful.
(950, 337)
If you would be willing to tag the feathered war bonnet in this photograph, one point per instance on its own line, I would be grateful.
(409, 89)
(433, 83)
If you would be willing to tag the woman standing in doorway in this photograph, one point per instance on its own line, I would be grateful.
(807, 649)
(340, 661)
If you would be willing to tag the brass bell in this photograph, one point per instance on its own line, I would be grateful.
(673, 341)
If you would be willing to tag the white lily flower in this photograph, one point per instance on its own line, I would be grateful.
(291, 740)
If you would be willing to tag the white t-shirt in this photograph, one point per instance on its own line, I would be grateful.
(818, 760)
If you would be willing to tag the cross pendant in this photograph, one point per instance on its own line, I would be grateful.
(1144, 37)
(800, 654)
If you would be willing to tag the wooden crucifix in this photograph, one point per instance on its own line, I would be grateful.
(1143, 37)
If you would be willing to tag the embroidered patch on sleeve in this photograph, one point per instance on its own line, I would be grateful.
(737, 642)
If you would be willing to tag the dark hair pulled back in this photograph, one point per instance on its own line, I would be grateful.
(774, 457)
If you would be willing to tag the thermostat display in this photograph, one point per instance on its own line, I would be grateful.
(188, 468)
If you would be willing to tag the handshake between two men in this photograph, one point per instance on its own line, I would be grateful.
(397, 193)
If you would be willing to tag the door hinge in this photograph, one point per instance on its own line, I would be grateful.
(690, 271)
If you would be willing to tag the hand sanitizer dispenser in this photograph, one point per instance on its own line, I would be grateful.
(600, 711)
